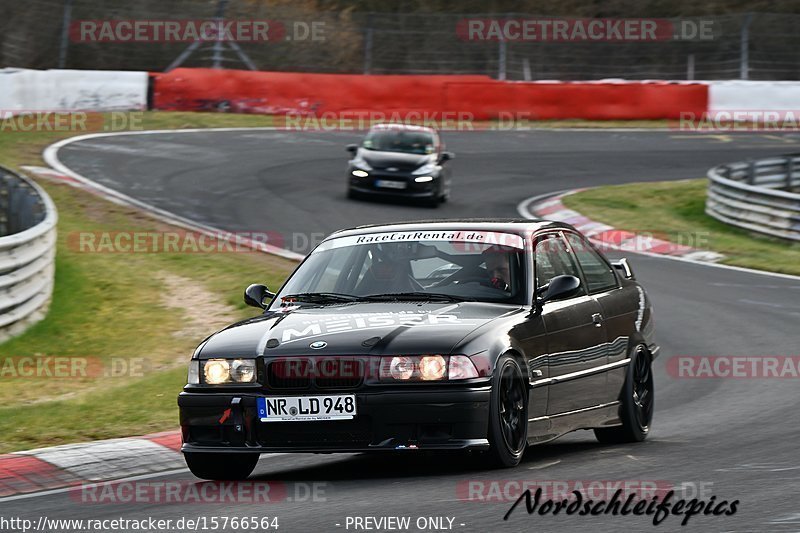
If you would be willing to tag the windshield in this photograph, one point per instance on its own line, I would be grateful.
(359, 267)
(410, 142)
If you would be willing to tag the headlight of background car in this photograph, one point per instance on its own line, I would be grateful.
(427, 368)
(220, 371)
(428, 168)
(360, 168)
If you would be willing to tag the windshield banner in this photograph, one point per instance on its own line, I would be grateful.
(476, 237)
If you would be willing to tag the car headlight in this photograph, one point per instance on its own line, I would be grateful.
(243, 370)
(428, 168)
(220, 371)
(360, 173)
(427, 368)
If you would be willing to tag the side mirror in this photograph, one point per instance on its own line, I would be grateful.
(255, 294)
(352, 148)
(559, 287)
(624, 268)
(446, 156)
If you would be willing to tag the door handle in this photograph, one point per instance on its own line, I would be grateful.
(597, 318)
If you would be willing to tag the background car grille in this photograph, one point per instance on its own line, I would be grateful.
(323, 373)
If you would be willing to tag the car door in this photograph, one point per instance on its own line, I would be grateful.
(575, 339)
(618, 307)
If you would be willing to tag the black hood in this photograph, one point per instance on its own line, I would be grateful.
(402, 161)
(355, 329)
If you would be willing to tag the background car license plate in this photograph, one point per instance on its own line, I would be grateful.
(388, 184)
(306, 408)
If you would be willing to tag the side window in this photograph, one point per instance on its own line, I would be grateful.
(599, 275)
(552, 259)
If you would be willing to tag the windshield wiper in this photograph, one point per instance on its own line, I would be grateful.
(414, 296)
(318, 297)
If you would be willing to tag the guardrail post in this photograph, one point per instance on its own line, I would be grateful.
(744, 47)
(5, 195)
(751, 172)
(368, 45)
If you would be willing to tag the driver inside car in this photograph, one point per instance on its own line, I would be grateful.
(498, 267)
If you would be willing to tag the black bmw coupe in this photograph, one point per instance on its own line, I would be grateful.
(485, 336)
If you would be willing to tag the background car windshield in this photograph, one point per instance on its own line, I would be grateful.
(481, 272)
(410, 142)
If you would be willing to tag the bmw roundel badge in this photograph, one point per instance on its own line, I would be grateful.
(318, 345)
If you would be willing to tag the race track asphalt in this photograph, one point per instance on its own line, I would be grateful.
(735, 439)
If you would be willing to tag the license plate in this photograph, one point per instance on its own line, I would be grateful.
(388, 184)
(306, 408)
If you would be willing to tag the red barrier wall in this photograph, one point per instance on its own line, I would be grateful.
(480, 97)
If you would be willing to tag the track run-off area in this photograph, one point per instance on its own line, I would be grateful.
(734, 439)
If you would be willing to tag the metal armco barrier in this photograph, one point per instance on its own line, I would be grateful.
(27, 252)
(760, 196)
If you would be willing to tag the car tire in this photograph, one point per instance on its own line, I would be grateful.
(637, 403)
(508, 415)
(221, 466)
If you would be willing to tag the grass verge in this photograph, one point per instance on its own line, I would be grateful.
(129, 320)
(674, 210)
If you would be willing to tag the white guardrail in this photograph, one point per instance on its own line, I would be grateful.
(27, 252)
(761, 196)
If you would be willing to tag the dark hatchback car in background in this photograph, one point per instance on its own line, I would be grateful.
(485, 336)
(402, 161)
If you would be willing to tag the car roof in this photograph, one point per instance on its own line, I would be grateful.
(401, 126)
(509, 225)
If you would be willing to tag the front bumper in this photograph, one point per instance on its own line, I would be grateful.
(412, 189)
(386, 420)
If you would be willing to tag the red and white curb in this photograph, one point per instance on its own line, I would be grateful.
(551, 207)
(76, 464)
